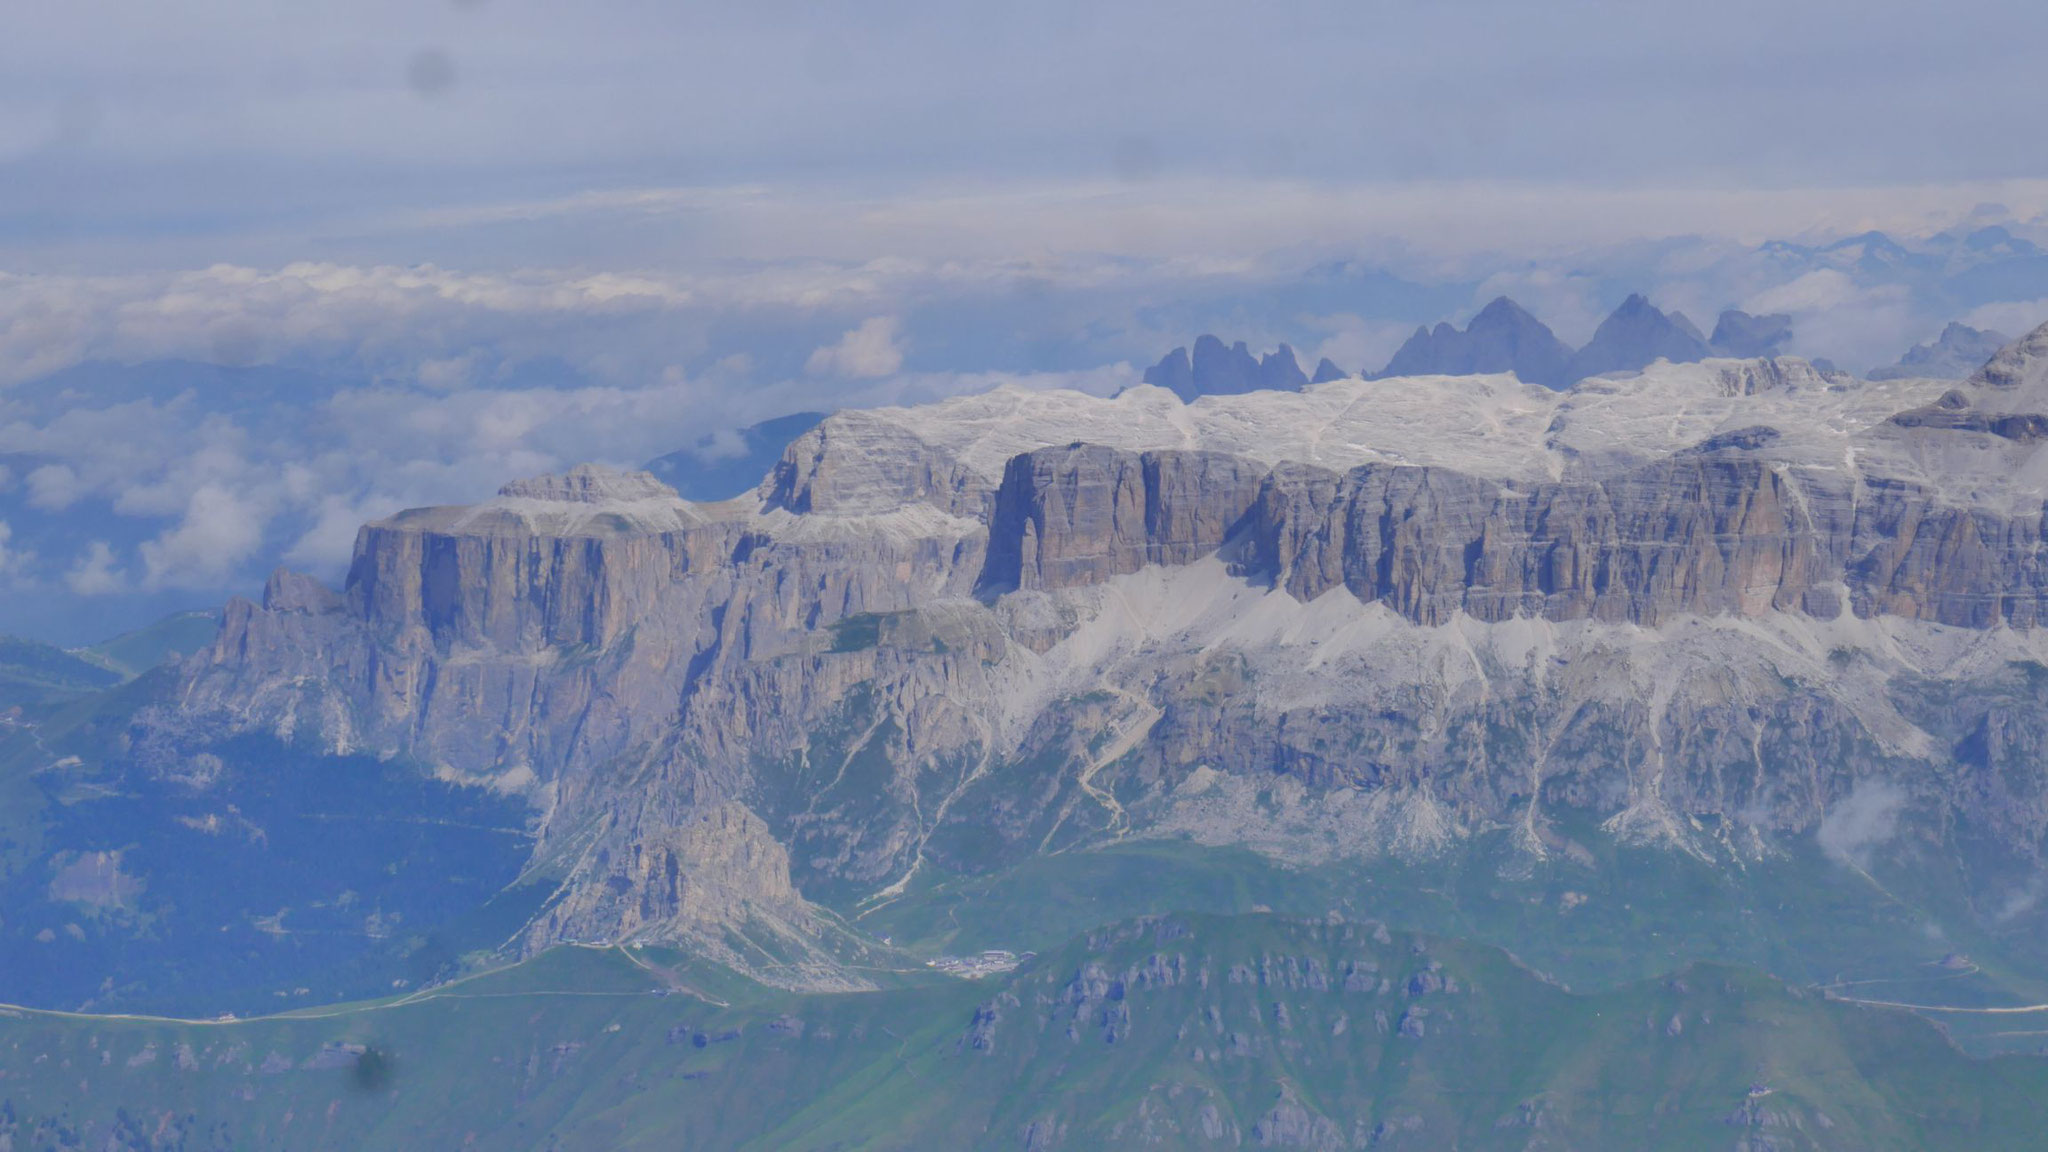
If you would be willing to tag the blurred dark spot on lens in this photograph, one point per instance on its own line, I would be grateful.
(372, 1071)
(430, 72)
(1134, 159)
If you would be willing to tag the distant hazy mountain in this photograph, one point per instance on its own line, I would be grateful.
(1961, 269)
(1215, 370)
(1503, 337)
(1636, 335)
(1327, 371)
(1747, 337)
(1957, 353)
(711, 471)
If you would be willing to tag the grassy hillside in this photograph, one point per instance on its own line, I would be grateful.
(1600, 919)
(34, 676)
(1180, 1031)
(37, 677)
(133, 653)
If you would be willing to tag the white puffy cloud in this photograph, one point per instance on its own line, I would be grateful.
(13, 560)
(871, 350)
(724, 444)
(1857, 326)
(1862, 822)
(327, 546)
(97, 572)
(218, 533)
(1815, 291)
(53, 487)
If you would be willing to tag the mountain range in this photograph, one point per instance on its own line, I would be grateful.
(1501, 337)
(1031, 726)
(1505, 337)
(119, 456)
(1218, 371)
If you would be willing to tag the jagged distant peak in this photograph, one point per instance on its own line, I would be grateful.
(1636, 334)
(1327, 371)
(1746, 336)
(1279, 369)
(1174, 372)
(2019, 366)
(1956, 354)
(1635, 305)
(1501, 337)
(590, 484)
(1498, 311)
(1956, 330)
(1219, 369)
(1871, 241)
(1994, 236)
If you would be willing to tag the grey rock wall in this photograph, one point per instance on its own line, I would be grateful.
(895, 658)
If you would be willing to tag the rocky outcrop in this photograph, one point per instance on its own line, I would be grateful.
(1501, 338)
(854, 463)
(2019, 368)
(719, 867)
(1704, 533)
(1081, 514)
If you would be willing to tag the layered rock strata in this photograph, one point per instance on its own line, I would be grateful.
(1705, 603)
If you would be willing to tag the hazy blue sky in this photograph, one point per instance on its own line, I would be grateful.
(250, 128)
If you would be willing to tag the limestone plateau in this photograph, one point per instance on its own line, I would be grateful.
(1709, 605)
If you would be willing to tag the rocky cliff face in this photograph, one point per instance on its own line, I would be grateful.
(1704, 533)
(1705, 604)
(1072, 516)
